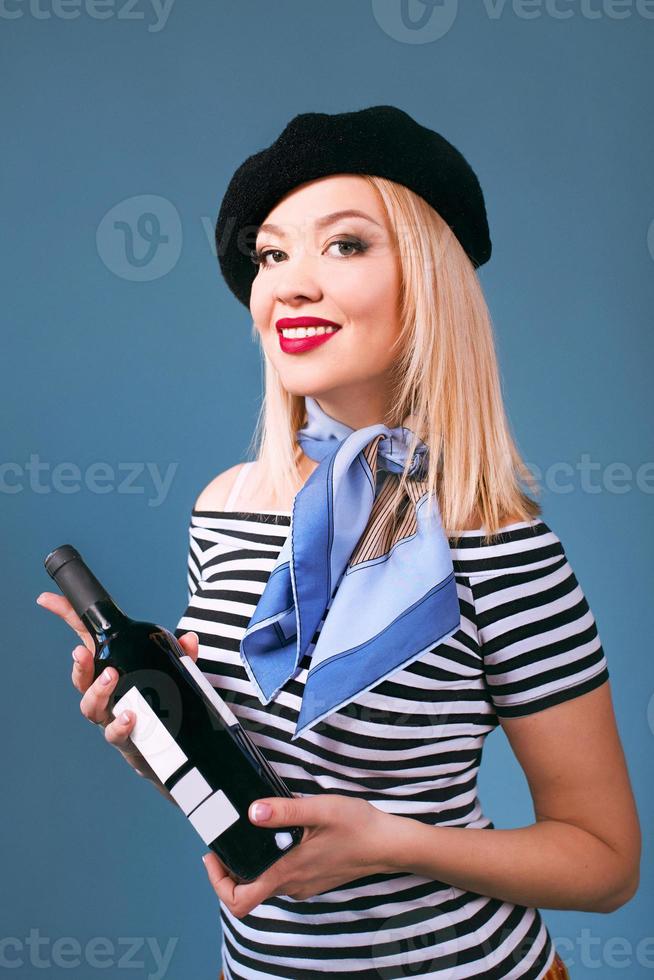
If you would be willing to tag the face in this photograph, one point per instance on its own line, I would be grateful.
(341, 269)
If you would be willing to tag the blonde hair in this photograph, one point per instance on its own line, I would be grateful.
(447, 387)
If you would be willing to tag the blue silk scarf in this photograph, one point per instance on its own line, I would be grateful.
(386, 591)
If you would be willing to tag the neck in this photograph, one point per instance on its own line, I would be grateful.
(360, 416)
(305, 466)
(357, 413)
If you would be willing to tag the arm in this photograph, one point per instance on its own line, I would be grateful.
(584, 850)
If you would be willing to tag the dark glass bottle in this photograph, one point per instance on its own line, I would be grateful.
(184, 729)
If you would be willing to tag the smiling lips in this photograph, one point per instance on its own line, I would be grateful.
(312, 331)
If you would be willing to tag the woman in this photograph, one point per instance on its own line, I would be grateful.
(399, 872)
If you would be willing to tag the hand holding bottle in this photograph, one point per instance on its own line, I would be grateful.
(94, 704)
(190, 743)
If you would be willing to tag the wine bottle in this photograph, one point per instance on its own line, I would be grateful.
(184, 729)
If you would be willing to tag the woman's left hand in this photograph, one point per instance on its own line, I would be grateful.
(344, 838)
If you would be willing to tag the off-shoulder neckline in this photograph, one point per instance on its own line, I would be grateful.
(475, 532)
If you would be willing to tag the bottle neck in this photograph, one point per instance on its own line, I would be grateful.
(103, 619)
(88, 597)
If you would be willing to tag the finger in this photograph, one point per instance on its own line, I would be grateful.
(241, 898)
(60, 606)
(191, 644)
(118, 732)
(281, 811)
(83, 668)
(94, 703)
(221, 881)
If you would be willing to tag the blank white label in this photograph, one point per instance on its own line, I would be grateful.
(214, 816)
(190, 790)
(150, 735)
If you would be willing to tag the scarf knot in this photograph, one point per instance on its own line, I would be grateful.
(393, 451)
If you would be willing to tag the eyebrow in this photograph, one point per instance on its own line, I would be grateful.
(328, 219)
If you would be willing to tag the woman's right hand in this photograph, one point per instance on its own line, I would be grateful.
(96, 693)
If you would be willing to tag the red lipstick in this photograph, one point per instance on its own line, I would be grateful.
(298, 344)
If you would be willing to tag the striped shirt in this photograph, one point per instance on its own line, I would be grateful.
(411, 746)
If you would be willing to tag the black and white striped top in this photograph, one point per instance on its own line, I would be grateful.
(410, 746)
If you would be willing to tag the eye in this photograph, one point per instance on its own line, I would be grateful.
(259, 257)
(354, 243)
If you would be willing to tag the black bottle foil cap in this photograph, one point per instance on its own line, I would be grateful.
(75, 579)
(59, 557)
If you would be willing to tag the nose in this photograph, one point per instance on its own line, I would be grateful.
(298, 281)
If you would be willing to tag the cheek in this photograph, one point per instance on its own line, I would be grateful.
(260, 301)
(370, 288)
(373, 303)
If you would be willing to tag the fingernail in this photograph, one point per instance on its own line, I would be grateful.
(204, 859)
(261, 811)
(125, 719)
(76, 656)
(105, 676)
(39, 600)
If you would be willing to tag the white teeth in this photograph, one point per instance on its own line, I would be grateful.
(297, 332)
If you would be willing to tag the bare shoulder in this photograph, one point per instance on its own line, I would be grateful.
(474, 523)
(216, 492)
(509, 519)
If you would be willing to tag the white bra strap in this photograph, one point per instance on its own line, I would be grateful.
(238, 483)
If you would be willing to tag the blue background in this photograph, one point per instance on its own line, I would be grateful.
(120, 357)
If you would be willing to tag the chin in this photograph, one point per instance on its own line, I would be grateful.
(303, 390)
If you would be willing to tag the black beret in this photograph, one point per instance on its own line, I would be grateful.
(382, 141)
